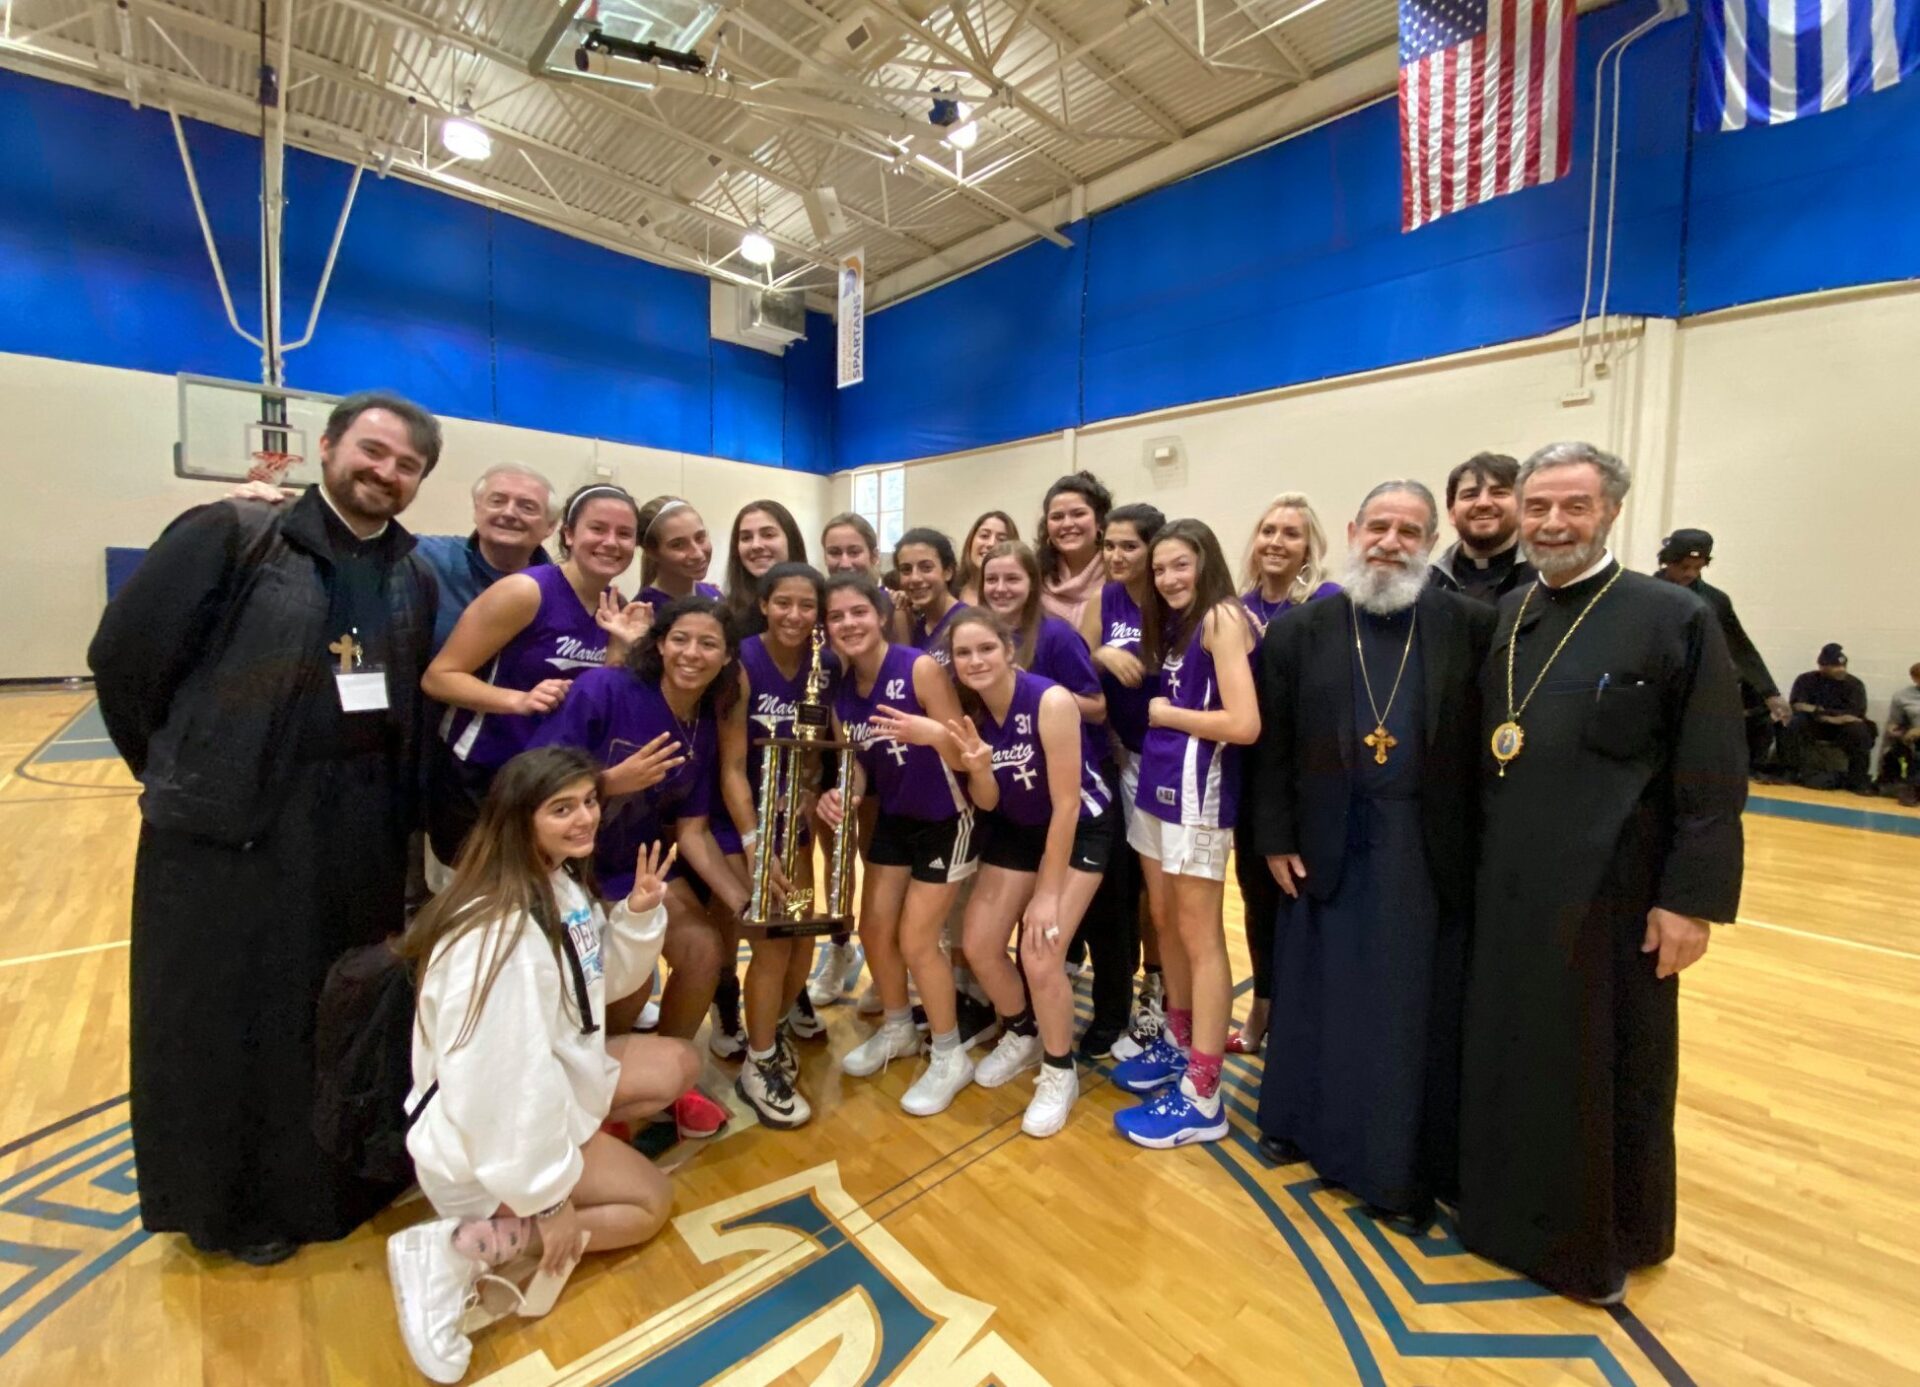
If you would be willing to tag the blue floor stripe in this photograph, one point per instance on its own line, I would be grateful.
(1835, 815)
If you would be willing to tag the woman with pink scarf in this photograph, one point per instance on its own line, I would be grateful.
(1072, 520)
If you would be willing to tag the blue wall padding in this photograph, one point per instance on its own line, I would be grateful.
(749, 418)
(1824, 202)
(992, 356)
(1285, 266)
(1289, 265)
(593, 342)
(809, 402)
(472, 312)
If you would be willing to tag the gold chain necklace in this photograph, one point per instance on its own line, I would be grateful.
(1381, 741)
(1508, 739)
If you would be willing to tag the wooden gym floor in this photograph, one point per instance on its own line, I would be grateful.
(871, 1247)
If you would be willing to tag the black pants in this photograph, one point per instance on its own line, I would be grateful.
(1260, 903)
(1112, 932)
(1854, 738)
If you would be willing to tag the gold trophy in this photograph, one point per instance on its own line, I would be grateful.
(785, 766)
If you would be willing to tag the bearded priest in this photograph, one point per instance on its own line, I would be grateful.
(1365, 813)
(1613, 774)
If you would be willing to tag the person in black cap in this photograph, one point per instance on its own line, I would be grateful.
(1684, 556)
(1830, 705)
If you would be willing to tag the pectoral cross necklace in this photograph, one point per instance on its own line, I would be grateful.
(1380, 741)
(349, 650)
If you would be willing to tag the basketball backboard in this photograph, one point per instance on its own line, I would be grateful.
(236, 431)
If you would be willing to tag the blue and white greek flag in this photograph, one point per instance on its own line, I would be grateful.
(1768, 61)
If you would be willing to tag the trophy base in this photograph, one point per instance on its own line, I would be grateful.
(780, 928)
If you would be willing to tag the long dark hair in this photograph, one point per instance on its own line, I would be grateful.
(1097, 496)
(967, 575)
(649, 665)
(499, 879)
(932, 539)
(869, 590)
(970, 702)
(1147, 521)
(743, 589)
(1212, 585)
(1027, 633)
(782, 572)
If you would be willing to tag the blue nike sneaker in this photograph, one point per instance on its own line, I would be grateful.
(1174, 1117)
(1158, 1065)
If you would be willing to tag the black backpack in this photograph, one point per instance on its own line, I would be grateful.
(363, 1064)
(363, 1058)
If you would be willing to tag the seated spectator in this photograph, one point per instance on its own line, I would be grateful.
(1900, 757)
(1830, 706)
(1684, 556)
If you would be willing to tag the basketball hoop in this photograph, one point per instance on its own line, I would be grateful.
(271, 467)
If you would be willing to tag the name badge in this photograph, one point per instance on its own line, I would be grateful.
(363, 691)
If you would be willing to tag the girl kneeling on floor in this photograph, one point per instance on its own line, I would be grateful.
(513, 1074)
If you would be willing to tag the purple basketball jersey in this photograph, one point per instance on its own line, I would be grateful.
(930, 641)
(561, 641)
(1120, 627)
(1020, 762)
(1061, 656)
(611, 714)
(658, 600)
(772, 697)
(912, 782)
(1189, 780)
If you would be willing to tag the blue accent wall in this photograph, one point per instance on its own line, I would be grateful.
(992, 356)
(1289, 265)
(472, 312)
(1825, 202)
(1282, 267)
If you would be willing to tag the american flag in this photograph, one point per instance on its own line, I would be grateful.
(1486, 101)
(1767, 61)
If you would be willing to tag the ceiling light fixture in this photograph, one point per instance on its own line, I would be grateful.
(963, 135)
(465, 140)
(756, 247)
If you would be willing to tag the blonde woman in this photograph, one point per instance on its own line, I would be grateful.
(1285, 567)
(1286, 559)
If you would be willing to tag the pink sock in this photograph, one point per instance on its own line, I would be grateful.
(493, 1241)
(1204, 1071)
(1180, 1026)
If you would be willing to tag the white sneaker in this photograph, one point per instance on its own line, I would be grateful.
(725, 1044)
(1013, 1054)
(770, 1092)
(895, 1040)
(838, 973)
(432, 1286)
(946, 1074)
(1054, 1094)
(649, 1017)
(1149, 1019)
(870, 1003)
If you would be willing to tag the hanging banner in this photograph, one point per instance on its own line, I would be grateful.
(850, 318)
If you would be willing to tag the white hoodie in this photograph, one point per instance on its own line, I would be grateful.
(525, 1091)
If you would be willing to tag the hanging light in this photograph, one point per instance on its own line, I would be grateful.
(465, 140)
(966, 130)
(756, 247)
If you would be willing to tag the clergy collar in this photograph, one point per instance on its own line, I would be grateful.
(327, 497)
(1598, 566)
(1509, 551)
